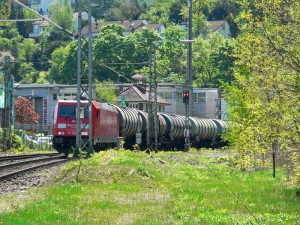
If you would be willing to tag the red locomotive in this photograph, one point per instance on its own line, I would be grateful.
(105, 129)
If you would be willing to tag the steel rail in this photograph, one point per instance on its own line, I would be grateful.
(14, 157)
(29, 162)
(7, 175)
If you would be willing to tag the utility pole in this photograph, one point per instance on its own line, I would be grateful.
(152, 102)
(84, 83)
(8, 114)
(189, 58)
(188, 92)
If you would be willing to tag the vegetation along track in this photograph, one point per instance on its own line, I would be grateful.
(16, 165)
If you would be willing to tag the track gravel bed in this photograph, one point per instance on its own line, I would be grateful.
(34, 178)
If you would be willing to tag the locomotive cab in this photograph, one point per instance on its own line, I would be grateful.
(105, 130)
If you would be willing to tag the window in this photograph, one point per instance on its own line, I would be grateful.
(178, 96)
(166, 95)
(54, 96)
(69, 96)
(134, 105)
(67, 110)
(70, 111)
(199, 97)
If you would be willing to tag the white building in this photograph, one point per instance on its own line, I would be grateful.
(42, 6)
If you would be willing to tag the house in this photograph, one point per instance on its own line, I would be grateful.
(220, 26)
(39, 26)
(130, 26)
(137, 95)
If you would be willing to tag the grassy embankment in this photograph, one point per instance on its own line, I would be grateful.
(124, 187)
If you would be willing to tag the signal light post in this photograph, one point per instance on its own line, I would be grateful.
(186, 101)
(189, 81)
(185, 96)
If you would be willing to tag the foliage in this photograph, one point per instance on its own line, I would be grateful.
(106, 92)
(26, 26)
(5, 11)
(26, 50)
(61, 13)
(264, 102)
(117, 57)
(28, 73)
(5, 44)
(210, 65)
(171, 56)
(124, 10)
(25, 112)
(64, 64)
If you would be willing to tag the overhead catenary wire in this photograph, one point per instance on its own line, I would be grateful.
(21, 20)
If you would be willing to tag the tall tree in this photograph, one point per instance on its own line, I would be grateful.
(206, 73)
(124, 10)
(5, 11)
(264, 102)
(61, 12)
(171, 55)
(63, 68)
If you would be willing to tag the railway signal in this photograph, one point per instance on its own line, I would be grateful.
(186, 96)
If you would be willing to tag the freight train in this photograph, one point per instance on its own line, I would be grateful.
(112, 123)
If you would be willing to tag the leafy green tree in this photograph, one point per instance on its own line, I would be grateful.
(5, 44)
(26, 49)
(108, 52)
(165, 11)
(101, 9)
(27, 74)
(61, 12)
(207, 73)
(11, 33)
(106, 92)
(64, 64)
(264, 101)
(116, 56)
(124, 10)
(171, 56)
(5, 11)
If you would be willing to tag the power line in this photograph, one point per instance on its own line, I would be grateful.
(21, 20)
(141, 63)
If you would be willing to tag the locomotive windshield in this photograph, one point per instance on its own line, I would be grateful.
(70, 111)
(67, 110)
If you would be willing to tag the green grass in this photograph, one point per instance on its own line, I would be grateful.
(124, 187)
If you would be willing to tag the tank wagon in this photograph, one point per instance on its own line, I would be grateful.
(112, 123)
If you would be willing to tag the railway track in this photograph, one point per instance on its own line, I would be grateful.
(12, 166)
